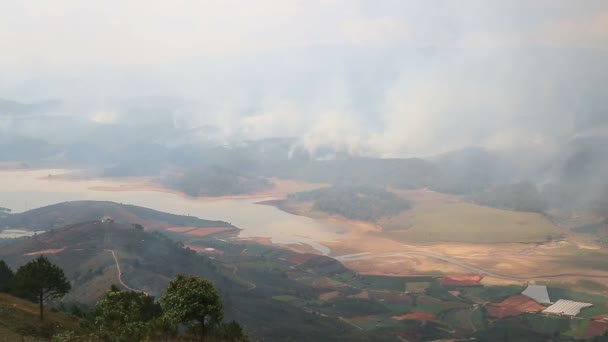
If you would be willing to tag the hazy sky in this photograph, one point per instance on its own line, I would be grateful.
(393, 78)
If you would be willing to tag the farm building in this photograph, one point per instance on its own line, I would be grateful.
(538, 293)
(566, 307)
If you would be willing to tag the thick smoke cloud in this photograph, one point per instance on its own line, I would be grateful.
(395, 78)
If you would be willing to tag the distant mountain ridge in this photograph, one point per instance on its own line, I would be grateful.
(10, 107)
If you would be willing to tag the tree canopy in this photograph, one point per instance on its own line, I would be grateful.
(522, 196)
(6, 277)
(39, 281)
(125, 315)
(366, 203)
(193, 302)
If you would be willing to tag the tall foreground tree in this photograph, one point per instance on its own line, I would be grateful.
(194, 302)
(6, 277)
(39, 280)
(125, 315)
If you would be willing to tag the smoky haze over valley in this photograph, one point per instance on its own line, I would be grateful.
(338, 170)
(521, 83)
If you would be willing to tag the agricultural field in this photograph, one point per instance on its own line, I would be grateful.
(437, 217)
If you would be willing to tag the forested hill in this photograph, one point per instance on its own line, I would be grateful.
(409, 173)
(91, 252)
(216, 181)
(66, 213)
(364, 203)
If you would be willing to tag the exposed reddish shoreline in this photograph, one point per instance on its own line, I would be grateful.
(280, 189)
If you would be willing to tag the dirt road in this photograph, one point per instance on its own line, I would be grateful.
(120, 273)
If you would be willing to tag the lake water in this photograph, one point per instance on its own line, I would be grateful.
(17, 233)
(21, 190)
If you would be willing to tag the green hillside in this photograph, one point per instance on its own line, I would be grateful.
(274, 293)
(66, 213)
(148, 261)
(19, 319)
(86, 252)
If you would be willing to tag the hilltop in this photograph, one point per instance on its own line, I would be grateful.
(96, 254)
(86, 252)
(67, 213)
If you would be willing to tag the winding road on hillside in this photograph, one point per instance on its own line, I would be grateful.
(120, 273)
(250, 285)
(453, 261)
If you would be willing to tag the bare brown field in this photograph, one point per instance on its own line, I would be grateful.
(512, 263)
(489, 281)
(513, 306)
(401, 266)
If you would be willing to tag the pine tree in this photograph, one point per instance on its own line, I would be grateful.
(39, 281)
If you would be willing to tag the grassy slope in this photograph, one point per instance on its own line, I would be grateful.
(465, 222)
(18, 316)
(89, 264)
(438, 217)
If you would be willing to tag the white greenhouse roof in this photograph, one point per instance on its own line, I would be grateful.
(566, 307)
(538, 293)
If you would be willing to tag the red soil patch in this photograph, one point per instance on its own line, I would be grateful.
(461, 280)
(596, 328)
(207, 231)
(419, 316)
(47, 251)
(300, 258)
(513, 306)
